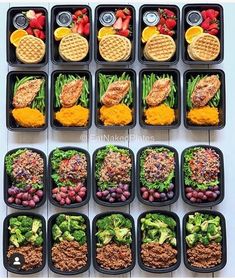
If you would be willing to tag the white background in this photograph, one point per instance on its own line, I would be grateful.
(135, 139)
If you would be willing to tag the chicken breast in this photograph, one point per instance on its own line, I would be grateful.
(26, 93)
(115, 92)
(205, 90)
(159, 92)
(71, 93)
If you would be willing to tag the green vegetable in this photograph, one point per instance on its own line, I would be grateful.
(80, 236)
(9, 160)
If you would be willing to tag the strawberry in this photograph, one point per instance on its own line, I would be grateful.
(162, 21)
(170, 23)
(86, 30)
(29, 30)
(120, 13)
(206, 23)
(204, 14)
(210, 13)
(213, 32)
(74, 28)
(169, 13)
(42, 35)
(213, 26)
(162, 29)
(171, 33)
(127, 11)
(126, 23)
(74, 18)
(216, 14)
(78, 13)
(124, 33)
(37, 33)
(80, 28)
(118, 24)
(84, 11)
(37, 15)
(85, 19)
(42, 20)
(34, 23)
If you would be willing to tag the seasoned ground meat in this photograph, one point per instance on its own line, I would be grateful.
(69, 255)
(157, 255)
(205, 165)
(205, 256)
(113, 256)
(32, 255)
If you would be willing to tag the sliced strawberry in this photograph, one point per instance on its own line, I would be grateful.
(210, 13)
(29, 30)
(206, 23)
(213, 26)
(74, 28)
(126, 23)
(78, 13)
(171, 33)
(127, 11)
(37, 15)
(37, 33)
(42, 35)
(85, 19)
(86, 30)
(118, 24)
(213, 32)
(169, 13)
(74, 18)
(216, 14)
(34, 23)
(204, 14)
(80, 28)
(84, 11)
(42, 20)
(162, 21)
(124, 33)
(170, 23)
(120, 13)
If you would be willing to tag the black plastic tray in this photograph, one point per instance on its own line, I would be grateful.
(176, 76)
(50, 244)
(11, 55)
(55, 124)
(178, 245)
(7, 180)
(176, 37)
(6, 243)
(175, 179)
(224, 243)
(51, 183)
(98, 10)
(221, 179)
(10, 121)
(132, 183)
(132, 245)
(222, 104)
(201, 7)
(55, 56)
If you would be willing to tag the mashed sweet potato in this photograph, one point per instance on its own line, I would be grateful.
(204, 116)
(159, 115)
(28, 117)
(116, 115)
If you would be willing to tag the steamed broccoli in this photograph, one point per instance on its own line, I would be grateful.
(65, 226)
(165, 234)
(36, 225)
(56, 232)
(66, 236)
(60, 218)
(123, 235)
(80, 236)
(38, 241)
(105, 236)
(191, 239)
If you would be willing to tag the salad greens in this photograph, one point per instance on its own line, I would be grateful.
(10, 159)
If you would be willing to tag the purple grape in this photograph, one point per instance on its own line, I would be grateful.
(11, 200)
(111, 200)
(105, 193)
(36, 199)
(108, 197)
(157, 195)
(143, 189)
(151, 198)
(113, 195)
(11, 191)
(123, 198)
(17, 201)
(126, 194)
(25, 203)
(39, 193)
(170, 194)
(25, 196)
(217, 193)
(119, 191)
(126, 187)
(99, 194)
(172, 186)
(162, 195)
(32, 203)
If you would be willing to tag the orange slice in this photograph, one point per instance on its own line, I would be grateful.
(16, 36)
(61, 32)
(148, 32)
(105, 31)
(192, 32)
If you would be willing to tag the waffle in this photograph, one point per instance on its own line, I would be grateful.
(73, 47)
(205, 47)
(30, 50)
(115, 48)
(160, 48)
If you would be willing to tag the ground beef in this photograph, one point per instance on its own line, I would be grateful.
(32, 255)
(157, 255)
(205, 256)
(69, 255)
(113, 256)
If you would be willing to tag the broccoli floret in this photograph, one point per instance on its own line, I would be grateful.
(56, 232)
(74, 225)
(173, 241)
(17, 238)
(14, 240)
(152, 233)
(123, 235)
(13, 222)
(79, 219)
(191, 239)
(37, 223)
(26, 221)
(67, 236)
(38, 241)
(105, 236)
(212, 229)
(192, 228)
(80, 236)
(156, 224)
(118, 220)
(60, 218)
(218, 239)
(165, 233)
(167, 220)
(213, 237)
(65, 226)
(128, 224)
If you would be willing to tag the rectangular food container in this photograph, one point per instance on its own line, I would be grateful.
(132, 183)
(51, 222)
(176, 75)
(6, 243)
(175, 179)
(221, 178)
(200, 7)
(222, 104)
(7, 180)
(55, 56)
(113, 71)
(178, 246)
(54, 124)
(224, 243)
(176, 37)
(11, 55)
(94, 241)
(101, 8)
(10, 122)
(51, 183)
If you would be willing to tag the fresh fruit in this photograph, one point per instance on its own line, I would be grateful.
(30, 14)
(61, 32)
(126, 22)
(213, 32)
(213, 26)
(120, 13)
(37, 15)
(206, 23)
(169, 13)
(170, 23)
(118, 24)
(78, 13)
(127, 11)
(148, 32)
(17, 35)
(35, 23)
(193, 32)
(85, 19)
(41, 19)
(80, 28)
(210, 22)
(84, 11)
(105, 31)
(29, 30)
(86, 30)
(211, 13)
(124, 33)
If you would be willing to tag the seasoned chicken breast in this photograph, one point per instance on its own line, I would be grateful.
(159, 92)
(205, 90)
(115, 92)
(26, 93)
(71, 93)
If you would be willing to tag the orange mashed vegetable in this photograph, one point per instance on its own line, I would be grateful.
(28, 117)
(204, 116)
(119, 114)
(160, 115)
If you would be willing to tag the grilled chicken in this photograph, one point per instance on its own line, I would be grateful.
(115, 92)
(26, 93)
(71, 93)
(159, 92)
(205, 90)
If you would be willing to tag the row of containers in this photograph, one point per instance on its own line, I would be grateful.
(68, 243)
(114, 178)
(201, 31)
(115, 99)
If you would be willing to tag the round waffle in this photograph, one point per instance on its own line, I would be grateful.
(30, 50)
(115, 48)
(160, 48)
(205, 47)
(73, 47)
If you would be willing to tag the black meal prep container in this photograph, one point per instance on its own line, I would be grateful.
(176, 37)
(176, 76)
(55, 124)
(52, 185)
(221, 179)
(175, 179)
(11, 54)
(98, 104)
(6, 243)
(222, 104)
(10, 121)
(8, 181)
(94, 241)
(55, 56)
(185, 26)
(223, 244)
(178, 245)
(132, 183)
(98, 58)
(51, 222)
